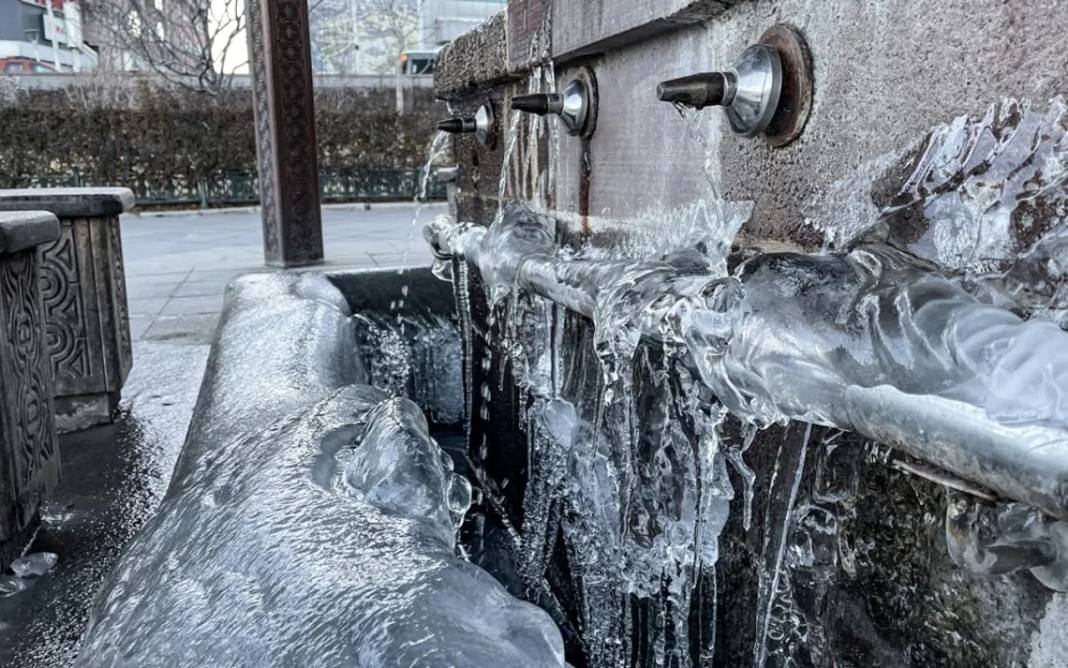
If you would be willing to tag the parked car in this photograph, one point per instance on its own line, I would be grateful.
(24, 66)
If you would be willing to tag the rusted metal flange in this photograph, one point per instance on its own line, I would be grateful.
(589, 79)
(795, 100)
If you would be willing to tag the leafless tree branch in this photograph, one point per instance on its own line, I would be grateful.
(186, 42)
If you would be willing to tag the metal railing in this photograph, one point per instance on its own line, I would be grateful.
(241, 188)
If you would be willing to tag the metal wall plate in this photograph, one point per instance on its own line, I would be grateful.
(795, 98)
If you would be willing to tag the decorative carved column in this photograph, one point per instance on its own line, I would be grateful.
(29, 456)
(83, 286)
(280, 57)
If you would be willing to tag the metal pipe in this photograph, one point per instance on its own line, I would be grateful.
(771, 348)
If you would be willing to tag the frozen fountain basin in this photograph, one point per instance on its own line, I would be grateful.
(312, 519)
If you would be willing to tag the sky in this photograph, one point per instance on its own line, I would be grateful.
(235, 58)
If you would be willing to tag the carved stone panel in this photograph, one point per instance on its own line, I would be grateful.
(89, 346)
(280, 56)
(83, 288)
(67, 321)
(29, 457)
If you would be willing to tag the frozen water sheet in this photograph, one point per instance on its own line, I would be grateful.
(869, 340)
(312, 518)
(318, 542)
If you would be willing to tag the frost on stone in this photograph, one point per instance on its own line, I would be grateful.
(327, 539)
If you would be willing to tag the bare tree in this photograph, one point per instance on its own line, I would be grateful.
(396, 23)
(187, 42)
(335, 26)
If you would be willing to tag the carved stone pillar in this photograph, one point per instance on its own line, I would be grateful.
(280, 57)
(84, 290)
(29, 457)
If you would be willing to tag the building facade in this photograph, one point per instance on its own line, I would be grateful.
(441, 21)
(369, 36)
(43, 36)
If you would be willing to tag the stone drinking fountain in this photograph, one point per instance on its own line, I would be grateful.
(778, 383)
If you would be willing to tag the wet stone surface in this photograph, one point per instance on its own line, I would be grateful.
(113, 479)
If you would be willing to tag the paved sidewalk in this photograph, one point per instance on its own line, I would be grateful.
(177, 266)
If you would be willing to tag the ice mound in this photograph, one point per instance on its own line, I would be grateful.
(325, 539)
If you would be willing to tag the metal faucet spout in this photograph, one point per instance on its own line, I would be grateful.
(483, 125)
(539, 103)
(457, 125)
(698, 90)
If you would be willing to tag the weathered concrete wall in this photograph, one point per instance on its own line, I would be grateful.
(885, 73)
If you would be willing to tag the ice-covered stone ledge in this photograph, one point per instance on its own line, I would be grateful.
(311, 519)
(29, 457)
(84, 290)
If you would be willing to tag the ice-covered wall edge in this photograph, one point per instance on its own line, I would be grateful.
(742, 335)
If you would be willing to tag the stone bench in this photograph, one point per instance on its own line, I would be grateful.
(84, 292)
(29, 457)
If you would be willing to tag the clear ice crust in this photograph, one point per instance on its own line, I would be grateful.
(326, 536)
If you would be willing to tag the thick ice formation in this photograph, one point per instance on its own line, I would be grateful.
(871, 339)
(988, 190)
(995, 540)
(850, 341)
(326, 539)
(399, 469)
(26, 568)
(641, 509)
(807, 328)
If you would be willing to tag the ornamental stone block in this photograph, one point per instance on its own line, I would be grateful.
(29, 456)
(83, 287)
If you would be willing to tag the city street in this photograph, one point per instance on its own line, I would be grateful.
(178, 265)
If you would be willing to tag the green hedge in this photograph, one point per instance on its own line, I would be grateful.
(174, 146)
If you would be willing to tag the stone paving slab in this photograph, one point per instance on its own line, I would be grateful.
(178, 266)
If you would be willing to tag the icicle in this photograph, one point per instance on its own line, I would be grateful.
(772, 572)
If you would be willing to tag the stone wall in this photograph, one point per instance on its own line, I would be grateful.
(885, 75)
